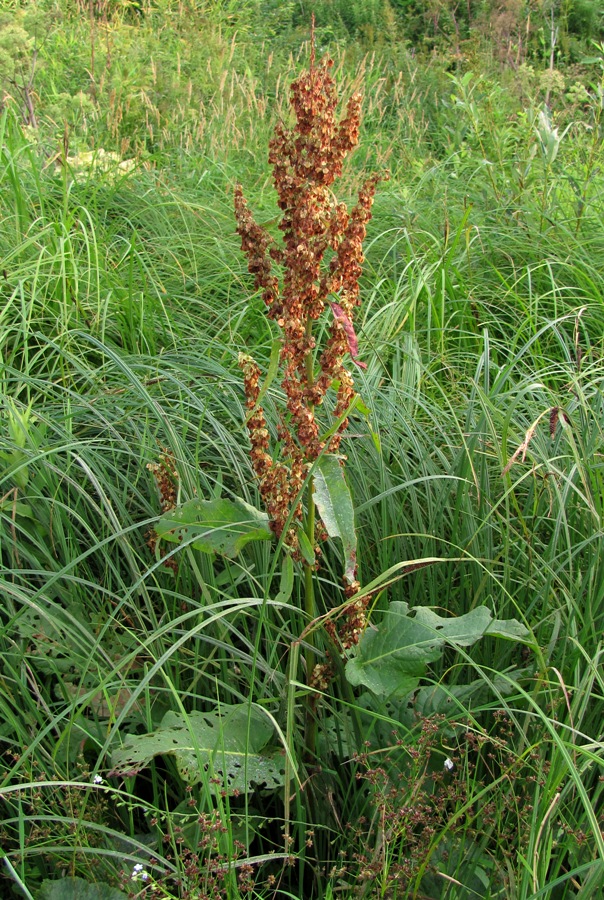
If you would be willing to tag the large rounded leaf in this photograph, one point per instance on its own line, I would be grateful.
(391, 659)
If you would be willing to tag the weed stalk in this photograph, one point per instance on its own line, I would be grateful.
(314, 273)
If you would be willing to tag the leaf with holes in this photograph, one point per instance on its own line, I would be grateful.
(216, 526)
(70, 888)
(230, 747)
(59, 640)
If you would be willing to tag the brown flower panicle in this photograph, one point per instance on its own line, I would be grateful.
(306, 159)
(167, 480)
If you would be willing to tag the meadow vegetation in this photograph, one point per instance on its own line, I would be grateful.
(193, 703)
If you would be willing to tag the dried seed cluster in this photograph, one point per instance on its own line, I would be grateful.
(444, 781)
(320, 258)
(167, 480)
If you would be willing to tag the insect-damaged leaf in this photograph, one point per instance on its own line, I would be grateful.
(229, 747)
(334, 504)
(391, 659)
(219, 526)
(70, 888)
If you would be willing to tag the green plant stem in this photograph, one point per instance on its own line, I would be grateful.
(310, 729)
(595, 144)
(309, 607)
(309, 584)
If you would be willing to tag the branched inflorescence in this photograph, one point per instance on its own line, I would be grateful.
(320, 258)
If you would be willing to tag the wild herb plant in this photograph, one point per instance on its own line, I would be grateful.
(307, 159)
(136, 697)
(320, 264)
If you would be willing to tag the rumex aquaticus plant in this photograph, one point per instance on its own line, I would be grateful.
(312, 275)
(309, 281)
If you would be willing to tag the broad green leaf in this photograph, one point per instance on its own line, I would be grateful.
(440, 700)
(220, 526)
(334, 505)
(461, 630)
(391, 659)
(20, 473)
(360, 406)
(464, 862)
(77, 889)
(510, 629)
(230, 746)
(57, 644)
(19, 510)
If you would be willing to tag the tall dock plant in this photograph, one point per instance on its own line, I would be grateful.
(310, 284)
(308, 280)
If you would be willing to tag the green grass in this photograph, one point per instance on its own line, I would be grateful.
(125, 302)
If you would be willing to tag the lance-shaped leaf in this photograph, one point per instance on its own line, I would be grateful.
(230, 746)
(391, 659)
(351, 338)
(218, 526)
(273, 368)
(334, 504)
(286, 584)
(306, 548)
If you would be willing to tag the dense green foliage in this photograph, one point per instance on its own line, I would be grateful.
(152, 696)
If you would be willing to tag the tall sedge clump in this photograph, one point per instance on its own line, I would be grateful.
(313, 273)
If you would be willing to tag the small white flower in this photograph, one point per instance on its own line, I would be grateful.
(139, 872)
(97, 779)
(449, 764)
